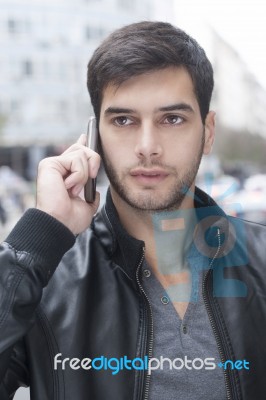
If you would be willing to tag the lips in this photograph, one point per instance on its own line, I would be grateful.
(149, 176)
(148, 173)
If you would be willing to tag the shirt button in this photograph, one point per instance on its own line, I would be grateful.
(184, 329)
(147, 273)
(165, 300)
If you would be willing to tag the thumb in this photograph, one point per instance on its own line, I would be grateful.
(96, 203)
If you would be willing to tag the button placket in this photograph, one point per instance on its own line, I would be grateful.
(184, 329)
(165, 300)
(147, 273)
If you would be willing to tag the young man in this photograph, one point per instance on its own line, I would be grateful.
(160, 294)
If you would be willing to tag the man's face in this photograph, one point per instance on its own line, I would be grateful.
(153, 138)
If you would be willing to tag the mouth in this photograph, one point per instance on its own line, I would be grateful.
(151, 176)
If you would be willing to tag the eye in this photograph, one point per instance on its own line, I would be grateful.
(122, 121)
(173, 120)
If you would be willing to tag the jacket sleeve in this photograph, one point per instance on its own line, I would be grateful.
(28, 258)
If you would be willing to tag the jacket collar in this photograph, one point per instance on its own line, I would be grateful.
(127, 251)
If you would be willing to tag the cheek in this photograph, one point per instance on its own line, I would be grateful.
(116, 151)
(184, 153)
(113, 155)
(180, 152)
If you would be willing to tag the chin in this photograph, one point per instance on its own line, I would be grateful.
(154, 202)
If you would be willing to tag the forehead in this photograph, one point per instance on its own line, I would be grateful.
(152, 89)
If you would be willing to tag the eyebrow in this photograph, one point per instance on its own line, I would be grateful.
(177, 106)
(118, 110)
(172, 107)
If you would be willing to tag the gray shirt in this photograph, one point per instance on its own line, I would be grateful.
(174, 338)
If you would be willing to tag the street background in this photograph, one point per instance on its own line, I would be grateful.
(44, 106)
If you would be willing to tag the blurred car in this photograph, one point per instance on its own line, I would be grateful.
(256, 183)
(220, 188)
(248, 203)
(251, 205)
(15, 196)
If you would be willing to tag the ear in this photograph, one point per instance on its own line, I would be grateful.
(209, 132)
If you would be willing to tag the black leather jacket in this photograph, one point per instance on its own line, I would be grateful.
(94, 305)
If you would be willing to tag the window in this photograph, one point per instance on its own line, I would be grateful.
(27, 68)
(93, 32)
(126, 4)
(14, 105)
(13, 26)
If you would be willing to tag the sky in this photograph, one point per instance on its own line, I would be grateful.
(240, 22)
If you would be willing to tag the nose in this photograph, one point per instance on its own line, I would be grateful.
(148, 144)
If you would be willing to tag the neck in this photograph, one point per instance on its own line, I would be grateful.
(166, 234)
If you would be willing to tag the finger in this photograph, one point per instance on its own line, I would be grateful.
(82, 139)
(75, 147)
(90, 159)
(83, 149)
(76, 190)
(91, 155)
(79, 187)
(94, 164)
(96, 202)
(78, 171)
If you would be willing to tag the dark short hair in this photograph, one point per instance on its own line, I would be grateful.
(148, 46)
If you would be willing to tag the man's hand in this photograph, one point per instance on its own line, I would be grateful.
(60, 181)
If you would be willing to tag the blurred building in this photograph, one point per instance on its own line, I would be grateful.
(240, 100)
(44, 50)
(45, 46)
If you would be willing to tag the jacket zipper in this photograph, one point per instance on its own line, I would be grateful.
(208, 308)
(150, 337)
(217, 338)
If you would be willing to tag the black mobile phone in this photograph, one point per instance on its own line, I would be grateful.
(91, 142)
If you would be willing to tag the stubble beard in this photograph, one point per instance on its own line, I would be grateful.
(144, 200)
